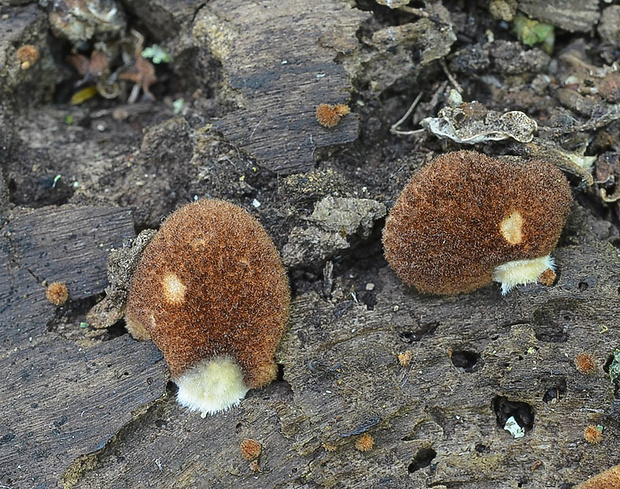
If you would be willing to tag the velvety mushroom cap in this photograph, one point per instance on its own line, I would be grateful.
(605, 480)
(465, 215)
(57, 293)
(212, 294)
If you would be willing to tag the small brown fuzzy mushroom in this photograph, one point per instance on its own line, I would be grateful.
(592, 435)
(211, 292)
(467, 219)
(329, 115)
(609, 479)
(57, 293)
(250, 449)
(364, 442)
(27, 55)
(404, 359)
(585, 363)
(547, 277)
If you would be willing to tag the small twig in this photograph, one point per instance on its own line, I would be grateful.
(255, 128)
(450, 76)
(133, 96)
(396, 125)
(422, 13)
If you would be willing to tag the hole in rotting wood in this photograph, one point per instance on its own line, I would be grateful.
(280, 375)
(422, 459)
(551, 333)
(359, 267)
(523, 481)
(171, 389)
(481, 448)
(422, 330)
(610, 365)
(71, 315)
(556, 392)
(279, 388)
(33, 191)
(550, 320)
(583, 286)
(116, 330)
(522, 412)
(465, 360)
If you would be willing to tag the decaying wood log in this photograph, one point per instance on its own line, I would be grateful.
(432, 380)
(572, 15)
(61, 398)
(438, 420)
(279, 59)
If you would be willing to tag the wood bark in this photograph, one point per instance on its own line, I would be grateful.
(88, 408)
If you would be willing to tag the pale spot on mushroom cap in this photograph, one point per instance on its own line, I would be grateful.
(174, 289)
(511, 228)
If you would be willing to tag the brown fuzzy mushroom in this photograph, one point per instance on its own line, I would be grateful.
(329, 115)
(364, 442)
(27, 55)
(57, 293)
(609, 479)
(585, 363)
(211, 292)
(250, 449)
(467, 219)
(592, 434)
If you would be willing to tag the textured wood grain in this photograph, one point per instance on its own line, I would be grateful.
(279, 57)
(69, 244)
(83, 411)
(342, 378)
(66, 244)
(61, 402)
(571, 15)
(62, 399)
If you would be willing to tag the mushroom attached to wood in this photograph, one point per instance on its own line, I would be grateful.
(212, 294)
(608, 479)
(467, 219)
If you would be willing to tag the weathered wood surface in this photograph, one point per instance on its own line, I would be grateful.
(94, 412)
(68, 245)
(434, 422)
(571, 15)
(20, 20)
(280, 58)
(63, 396)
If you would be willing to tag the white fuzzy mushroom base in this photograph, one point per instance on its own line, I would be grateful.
(521, 272)
(212, 385)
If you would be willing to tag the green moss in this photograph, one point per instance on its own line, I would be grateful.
(531, 32)
(79, 466)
